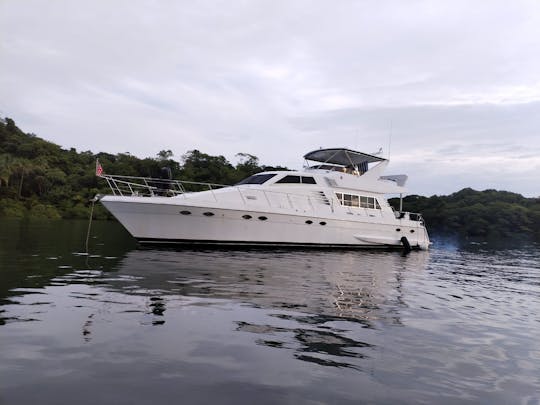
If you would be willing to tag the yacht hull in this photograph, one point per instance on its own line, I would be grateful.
(162, 220)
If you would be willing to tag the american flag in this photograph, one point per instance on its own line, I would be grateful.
(99, 169)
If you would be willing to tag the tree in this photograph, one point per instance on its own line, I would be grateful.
(165, 154)
(247, 165)
(10, 125)
(21, 168)
(6, 169)
(200, 167)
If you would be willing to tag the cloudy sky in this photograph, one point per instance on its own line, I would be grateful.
(450, 89)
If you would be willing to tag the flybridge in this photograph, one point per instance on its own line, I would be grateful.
(342, 159)
(342, 156)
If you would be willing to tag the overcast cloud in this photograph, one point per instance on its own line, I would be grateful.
(452, 86)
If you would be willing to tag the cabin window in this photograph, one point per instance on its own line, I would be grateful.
(296, 180)
(367, 202)
(359, 201)
(289, 180)
(350, 200)
(257, 179)
(308, 180)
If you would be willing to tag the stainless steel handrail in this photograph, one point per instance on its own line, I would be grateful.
(150, 187)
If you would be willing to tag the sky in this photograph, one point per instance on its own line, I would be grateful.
(449, 89)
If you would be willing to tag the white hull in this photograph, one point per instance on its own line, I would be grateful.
(160, 220)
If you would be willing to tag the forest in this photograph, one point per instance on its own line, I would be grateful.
(481, 214)
(39, 179)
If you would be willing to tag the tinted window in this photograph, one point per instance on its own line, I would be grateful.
(257, 179)
(353, 200)
(363, 202)
(289, 179)
(308, 180)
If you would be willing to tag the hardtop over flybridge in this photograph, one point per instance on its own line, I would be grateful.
(337, 200)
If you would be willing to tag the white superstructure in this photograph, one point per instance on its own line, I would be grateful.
(340, 202)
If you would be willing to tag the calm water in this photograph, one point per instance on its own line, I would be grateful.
(125, 325)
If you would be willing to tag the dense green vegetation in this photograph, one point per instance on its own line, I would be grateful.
(477, 213)
(39, 179)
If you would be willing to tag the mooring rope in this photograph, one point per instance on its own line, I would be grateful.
(90, 223)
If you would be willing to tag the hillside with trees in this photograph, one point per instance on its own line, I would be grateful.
(477, 213)
(39, 179)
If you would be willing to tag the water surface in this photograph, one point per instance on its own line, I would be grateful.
(127, 325)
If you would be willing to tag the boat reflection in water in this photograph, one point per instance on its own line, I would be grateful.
(310, 302)
(452, 325)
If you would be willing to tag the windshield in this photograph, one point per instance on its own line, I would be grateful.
(257, 179)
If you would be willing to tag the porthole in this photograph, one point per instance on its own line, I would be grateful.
(322, 223)
(263, 218)
(247, 216)
(309, 222)
(412, 230)
(185, 212)
(398, 229)
(208, 214)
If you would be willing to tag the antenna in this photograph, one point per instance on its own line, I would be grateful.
(389, 140)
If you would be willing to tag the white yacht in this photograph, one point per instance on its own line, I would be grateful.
(337, 200)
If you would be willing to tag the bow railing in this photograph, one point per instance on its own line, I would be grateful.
(152, 187)
(131, 186)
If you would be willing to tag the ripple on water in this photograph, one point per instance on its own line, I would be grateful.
(452, 326)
